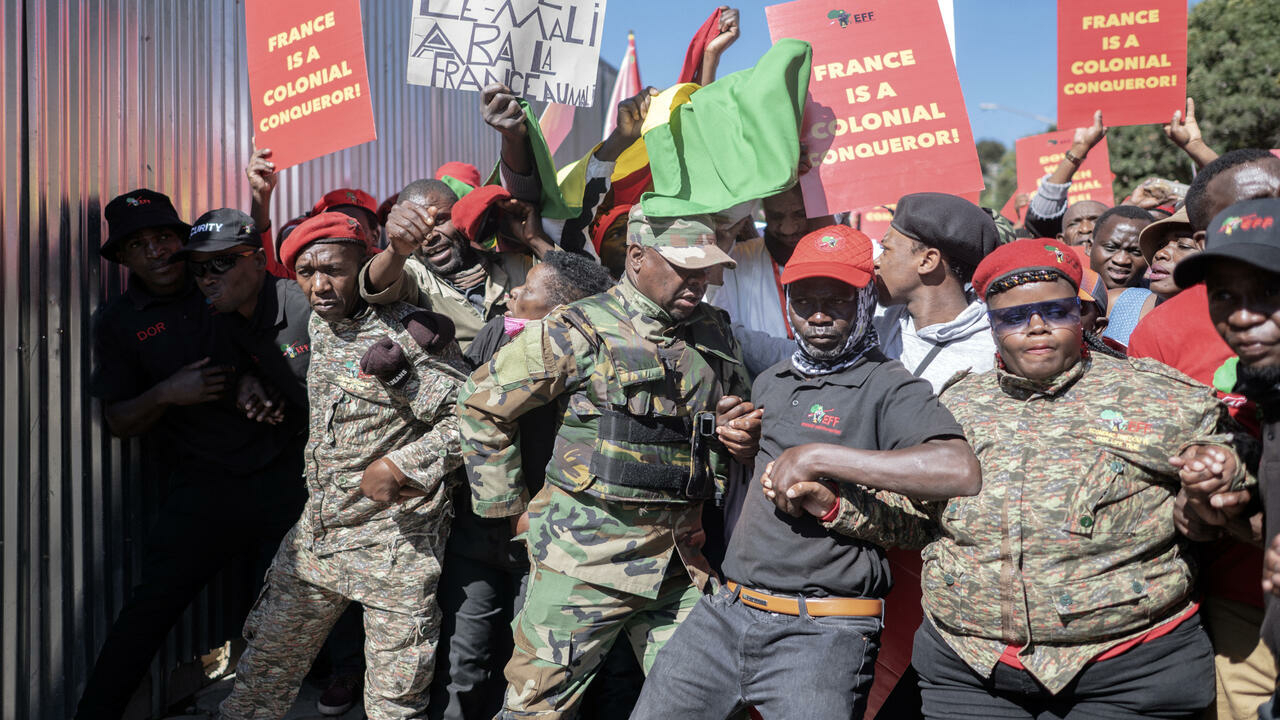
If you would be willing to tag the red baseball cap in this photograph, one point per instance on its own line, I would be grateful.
(836, 251)
(470, 212)
(346, 196)
(327, 227)
(1027, 256)
(466, 172)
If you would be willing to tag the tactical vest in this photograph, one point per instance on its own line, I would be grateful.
(640, 403)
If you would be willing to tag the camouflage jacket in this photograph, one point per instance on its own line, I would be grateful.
(356, 419)
(419, 286)
(1070, 547)
(581, 525)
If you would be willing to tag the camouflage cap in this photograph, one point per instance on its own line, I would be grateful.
(687, 242)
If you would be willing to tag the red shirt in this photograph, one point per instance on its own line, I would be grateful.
(1180, 334)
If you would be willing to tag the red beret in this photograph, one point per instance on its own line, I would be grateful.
(1030, 256)
(465, 172)
(346, 196)
(332, 227)
(469, 212)
(837, 251)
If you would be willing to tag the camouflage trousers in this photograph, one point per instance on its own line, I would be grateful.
(566, 627)
(305, 594)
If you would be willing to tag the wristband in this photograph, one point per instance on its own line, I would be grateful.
(1075, 159)
(832, 513)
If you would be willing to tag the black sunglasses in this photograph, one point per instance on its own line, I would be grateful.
(217, 265)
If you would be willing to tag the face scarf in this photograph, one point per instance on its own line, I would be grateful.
(862, 338)
(512, 326)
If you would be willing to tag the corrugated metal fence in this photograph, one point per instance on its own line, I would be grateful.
(100, 97)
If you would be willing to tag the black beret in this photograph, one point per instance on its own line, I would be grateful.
(955, 226)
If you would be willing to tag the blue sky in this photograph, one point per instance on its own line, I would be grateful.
(1006, 52)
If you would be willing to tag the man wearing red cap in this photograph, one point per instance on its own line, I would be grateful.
(383, 439)
(1064, 588)
(802, 602)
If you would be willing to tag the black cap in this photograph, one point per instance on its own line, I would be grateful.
(955, 226)
(138, 210)
(221, 229)
(1247, 232)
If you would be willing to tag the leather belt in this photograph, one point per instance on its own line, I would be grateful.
(822, 607)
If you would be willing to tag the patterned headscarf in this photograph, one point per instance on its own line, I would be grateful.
(862, 339)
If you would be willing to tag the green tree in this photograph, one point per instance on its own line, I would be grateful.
(1000, 175)
(1233, 60)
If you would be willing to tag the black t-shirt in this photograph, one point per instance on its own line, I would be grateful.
(141, 339)
(277, 340)
(874, 405)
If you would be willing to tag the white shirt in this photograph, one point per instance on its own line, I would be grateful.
(750, 293)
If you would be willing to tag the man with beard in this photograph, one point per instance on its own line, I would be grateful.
(647, 381)
(798, 596)
(166, 369)
(752, 290)
(383, 439)
(1181, 333)
(446, 272)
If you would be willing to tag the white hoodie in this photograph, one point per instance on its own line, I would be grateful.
(969, 344)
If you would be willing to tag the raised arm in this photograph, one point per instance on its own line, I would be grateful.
(1184, 132)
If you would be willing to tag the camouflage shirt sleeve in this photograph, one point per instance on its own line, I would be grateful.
(1213, 426)
(885, 518)
(405, 289)
(546, 360)
(427, 460)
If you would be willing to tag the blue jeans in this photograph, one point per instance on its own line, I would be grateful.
(1270, 710)
(727, 656)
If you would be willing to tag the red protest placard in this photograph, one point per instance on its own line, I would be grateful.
(307, 77)
(1039, 155)
(1127, 58)
(874, 220)
(1015, 208)
(885, 115)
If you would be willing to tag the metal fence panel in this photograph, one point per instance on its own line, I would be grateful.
(100, 97)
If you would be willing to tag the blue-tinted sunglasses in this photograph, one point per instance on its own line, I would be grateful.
(1017, 318)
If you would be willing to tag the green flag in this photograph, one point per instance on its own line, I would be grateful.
(554, 204)
(736, 139)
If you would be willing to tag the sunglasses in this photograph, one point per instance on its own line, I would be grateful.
(1053, 313)
(217, 265)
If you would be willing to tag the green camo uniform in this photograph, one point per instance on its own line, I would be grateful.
(602, 551)
(347, 547)
(418, 285)
(1070, 548)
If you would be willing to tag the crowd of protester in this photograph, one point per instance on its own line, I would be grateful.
(496, 464)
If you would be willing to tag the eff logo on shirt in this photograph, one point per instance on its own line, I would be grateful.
(822, 419)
